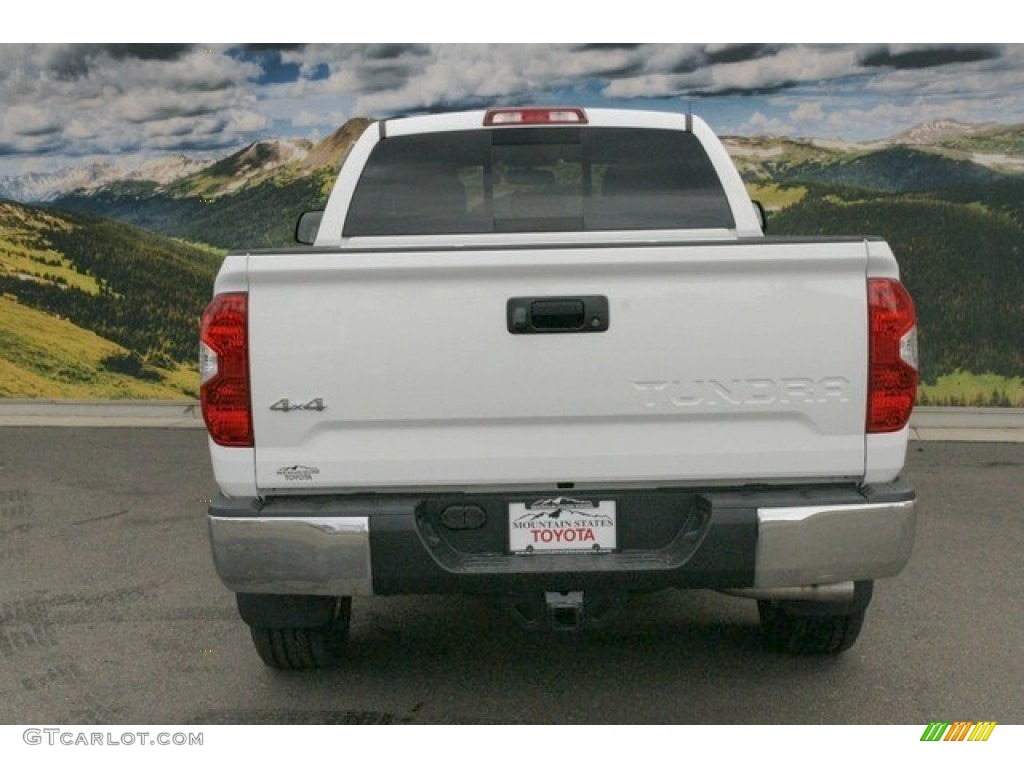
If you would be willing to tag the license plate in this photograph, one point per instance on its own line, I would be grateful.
(561, 525)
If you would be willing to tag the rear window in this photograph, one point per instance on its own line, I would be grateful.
(537, 180)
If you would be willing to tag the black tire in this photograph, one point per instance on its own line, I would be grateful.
(806, 628)
(306, 647)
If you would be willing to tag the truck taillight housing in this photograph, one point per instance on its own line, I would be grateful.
(224, 392)
(893, 366)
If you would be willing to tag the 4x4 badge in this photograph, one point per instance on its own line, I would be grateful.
(284, 404)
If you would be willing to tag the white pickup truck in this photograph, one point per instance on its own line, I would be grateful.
(549, 356)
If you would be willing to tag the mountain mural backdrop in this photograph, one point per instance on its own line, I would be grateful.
(104, 272)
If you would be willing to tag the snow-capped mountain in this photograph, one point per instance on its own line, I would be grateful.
(41, 187)
(164, 170)
(250, 164)
(937, 131)
(44, 187)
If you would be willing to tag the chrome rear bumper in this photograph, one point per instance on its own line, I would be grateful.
(790, 551)
(828, 544)
(293, 555)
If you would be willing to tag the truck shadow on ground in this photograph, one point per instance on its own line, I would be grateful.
(463, 660)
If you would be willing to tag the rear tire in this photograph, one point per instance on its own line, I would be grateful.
(807, 628)
(306, 647)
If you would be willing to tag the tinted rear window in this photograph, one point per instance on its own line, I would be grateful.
(537, 180)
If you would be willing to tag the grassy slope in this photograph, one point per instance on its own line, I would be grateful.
(128, 297)
(973, 389)
(23, 253)
(43, 356)
(775, 197)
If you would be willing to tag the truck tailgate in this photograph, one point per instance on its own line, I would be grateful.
(721, 362)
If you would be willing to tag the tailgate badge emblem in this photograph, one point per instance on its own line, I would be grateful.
(298, 472)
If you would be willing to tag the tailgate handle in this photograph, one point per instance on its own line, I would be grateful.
(557, 314)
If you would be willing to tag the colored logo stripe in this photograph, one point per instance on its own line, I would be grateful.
(982, 731)
(959, 730)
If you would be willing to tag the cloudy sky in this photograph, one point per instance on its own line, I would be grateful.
(65, 104)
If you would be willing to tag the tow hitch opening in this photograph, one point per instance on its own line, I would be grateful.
(563, 611)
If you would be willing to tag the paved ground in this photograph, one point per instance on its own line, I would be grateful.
(110, 612)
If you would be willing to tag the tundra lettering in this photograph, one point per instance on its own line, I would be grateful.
(712, 392)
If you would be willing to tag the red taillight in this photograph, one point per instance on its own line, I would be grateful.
(892, 372)
(535, 116)
(224, 370)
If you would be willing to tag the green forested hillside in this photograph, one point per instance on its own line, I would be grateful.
(94, 307)
(257, 216)
(894, 169)
(962, 261)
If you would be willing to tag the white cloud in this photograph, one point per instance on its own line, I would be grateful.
(306, 119)
(110, 99)
(31, 121)
(759, 123)
(808, 111)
